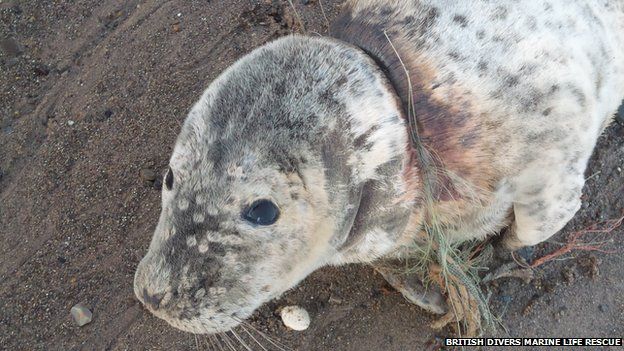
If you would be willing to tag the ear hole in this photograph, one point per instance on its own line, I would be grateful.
(169, 179)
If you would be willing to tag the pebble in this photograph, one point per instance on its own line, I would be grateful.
(157, 184)
(41, 70)
(335, 300)
(10, 47)
(147, 175)
(526, 253)
(11, 62)
(70, 123)
(603, 308)
(561, 312)
(295, 317)
(81, 314)
(568, 275)
(505, 298)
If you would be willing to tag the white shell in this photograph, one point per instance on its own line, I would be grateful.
(295, 317)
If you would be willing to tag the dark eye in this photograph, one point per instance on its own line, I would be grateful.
(262, 212)
(169, 179)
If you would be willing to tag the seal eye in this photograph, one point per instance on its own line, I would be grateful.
(262, 212)
(169, 179)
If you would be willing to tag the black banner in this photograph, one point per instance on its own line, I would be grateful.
(534, 342)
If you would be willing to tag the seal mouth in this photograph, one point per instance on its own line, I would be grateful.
(195, 326)
(207, 325)
(180, 314)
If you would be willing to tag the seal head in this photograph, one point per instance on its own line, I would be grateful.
(291, 160)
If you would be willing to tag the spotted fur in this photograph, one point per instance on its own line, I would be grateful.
(509, 99)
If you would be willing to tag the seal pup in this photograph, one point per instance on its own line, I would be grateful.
(299, 155)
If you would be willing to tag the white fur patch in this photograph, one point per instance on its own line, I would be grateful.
(231, 240)
(183, 204)
(203, 246)
(382, 114)
(200, 199)
(217, 290)
(200, 293)
(212, 211)
(191, 241)
(198, 217)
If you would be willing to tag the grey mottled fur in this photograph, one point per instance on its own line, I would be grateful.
(510, 98)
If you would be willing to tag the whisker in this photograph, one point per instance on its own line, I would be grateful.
(252, 337)
(228, 341)
(213, 345)
(205, 341)
(297, 15)
(209, 343)
(218, 342)
(324, 15)
(240, 340)
(273, 342)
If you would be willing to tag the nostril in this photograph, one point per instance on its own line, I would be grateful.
(152, 300)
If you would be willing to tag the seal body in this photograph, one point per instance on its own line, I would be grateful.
(509, 97)
(300, 155)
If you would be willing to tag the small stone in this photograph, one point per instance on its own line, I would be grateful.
(590, 265)
(529, 306)
(295, 318)
(505, 299)
(526, 253)
(10, 47)
(104, 116)
(41, 70)
(550, 287)
(157, 184)
(335, 300)
(70, 123)
(11, 62)
(568, 275)
(603, 308)
(81, 314)
(147, 175)
(561, 312)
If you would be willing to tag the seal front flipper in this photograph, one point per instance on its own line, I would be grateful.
(412, 288)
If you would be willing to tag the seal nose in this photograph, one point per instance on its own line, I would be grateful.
(152, 300)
